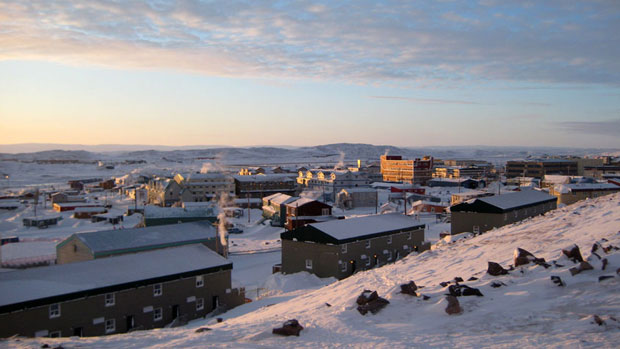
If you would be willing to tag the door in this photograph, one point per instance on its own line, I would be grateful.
(376, 259)
(78, 332)
(476, 229)
(175, 311)
(352, 266)
(215, 302)
(130, 322)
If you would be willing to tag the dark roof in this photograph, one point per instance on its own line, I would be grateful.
(342, 231)
(505, 202)
(109, 242)
(58, 283)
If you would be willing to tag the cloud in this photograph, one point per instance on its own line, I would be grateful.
(426, 100)
(603, 128)
(364, 42)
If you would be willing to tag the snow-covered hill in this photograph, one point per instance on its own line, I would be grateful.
(528, 310)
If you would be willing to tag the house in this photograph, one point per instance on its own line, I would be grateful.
(395, 169)
(9, 205)
(339, 248)
(88, 212)
(79, 183)
(274, 208)
(136, 291)
(163, 191)
(61, 197)
(156, 215)
(41, 221)
(204, 186)
(457, 198)
(330, 182)
(570, 193)
(71, 206)
(112, 217)
(306, 210)
(350, 198)
(107, 184)
(259, 186)
(93, 245)
(422, 206)
(485, 213)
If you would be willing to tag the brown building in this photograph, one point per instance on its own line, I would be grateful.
(483, 214)
(88, 212)
(259, 186)
(340, 248)
(570, 193)
(395, 169)
(70, 206)
(541, 167)
(87, 246)
(137, 291)
(304, 210)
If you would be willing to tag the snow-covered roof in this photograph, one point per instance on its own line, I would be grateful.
(90, 209)
(507, 201)
(112, 241)
(300, 202)
(152, 211)
(359, 190)
(114, 213)
(360, 227)
(281, 198)
(567, 188)
(98, 275)
(77, 204)
(276, 177)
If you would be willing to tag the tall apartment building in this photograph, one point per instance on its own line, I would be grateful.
(540, 167)
(395, 169)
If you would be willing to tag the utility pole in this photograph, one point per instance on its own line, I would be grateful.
(376, 202)
(248, 207)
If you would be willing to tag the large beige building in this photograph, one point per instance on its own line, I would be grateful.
(570, 193)
(395, 169)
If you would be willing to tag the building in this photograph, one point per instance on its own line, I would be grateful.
(540, 167)
(88, 212)
(395, 169)
(163, 191)
(259, 186)
(350, 198)
(341, 247)
(454, 183)
(41, 221)
(71, 206)
(457, 198)
(105, 296)
(305, 210)
(483, 214)
(570, 193)
(330, 182)
(155, 215)
(459, 172)
(422, 206)
(201, 187)
(602, 172)
(112, 217)
(87, 246)
(62, 197)
(274, 208)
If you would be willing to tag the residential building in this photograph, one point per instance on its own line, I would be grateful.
(259, 186)
(41, 221)
(155, 215)
(339, 248)
(350, 198)
(455, 182)
(459, 172)
(330, 182)
(457, 198)
(71, 206)
(305, 210)
(602, 172)
(538, 168)
(274, 208)
(136, 291)
(570, 193)
(88, 212)
(163, 191)
(485, 213)
(61, 197)
(205, 186)
(422, 206)
(395, 169)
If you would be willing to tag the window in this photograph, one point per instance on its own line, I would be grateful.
(343, 266)
(200, 303)
(110, 325)
(476, 229)
(157, 291)
(109, 299)
(157, 314)
(325, 211)
(389, 258)
(343, 248)
(389, 240)
(55, 334)
(367, 243)
(505, 217)
(54, 310)
(367, 261)
(200, 281)
(308, 263)
(409, 236)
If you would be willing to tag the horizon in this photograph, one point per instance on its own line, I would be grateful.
(301, 73)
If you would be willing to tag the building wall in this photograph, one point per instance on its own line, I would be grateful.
(465, 221)
(574, 196)
(328, 260)
(82, 312)
(73, 251)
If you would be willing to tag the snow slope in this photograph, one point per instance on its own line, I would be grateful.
(530, 311)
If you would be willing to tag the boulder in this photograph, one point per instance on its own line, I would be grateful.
(409, 288)
(557, 280)
(473, 278)
(453, 306)
(605, 262)
(366, 296)
(458, 279)
(425, 297)
(496, 284)
(573, 254)
(464, 290)
(369, 301)
(496, 270)
(598, 320)
(605, 277)
(523, 257)
(444, 283)
(581, 267)
(202, 329)
(289, 328)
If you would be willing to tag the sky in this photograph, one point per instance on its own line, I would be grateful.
(242, 73)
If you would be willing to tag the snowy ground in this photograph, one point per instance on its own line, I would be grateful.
(529, 311)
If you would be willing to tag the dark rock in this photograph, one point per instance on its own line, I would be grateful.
(557, 265)
(496, 270)
(45, 345)
(596, 254)
(463, 290)
(598, 320)
(202, 329)
(219, 319)
(605, 262)
(409, 288)
(327, 304)
(605, 277)
(366, 296)
(458, 279)
(444, 283)
(289, 328)
(618, 271)
(573, 254)
(523, 257)
(453, 306)
(496, 284)
(557, 280)
(455, 290)
(425, 297)
(473, 278)
(594, 247)
(581, 267)
(59, 347)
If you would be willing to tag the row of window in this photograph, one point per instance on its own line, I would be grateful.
(344, 265)
(343, 247)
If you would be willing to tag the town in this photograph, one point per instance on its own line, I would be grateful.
(185, 234)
